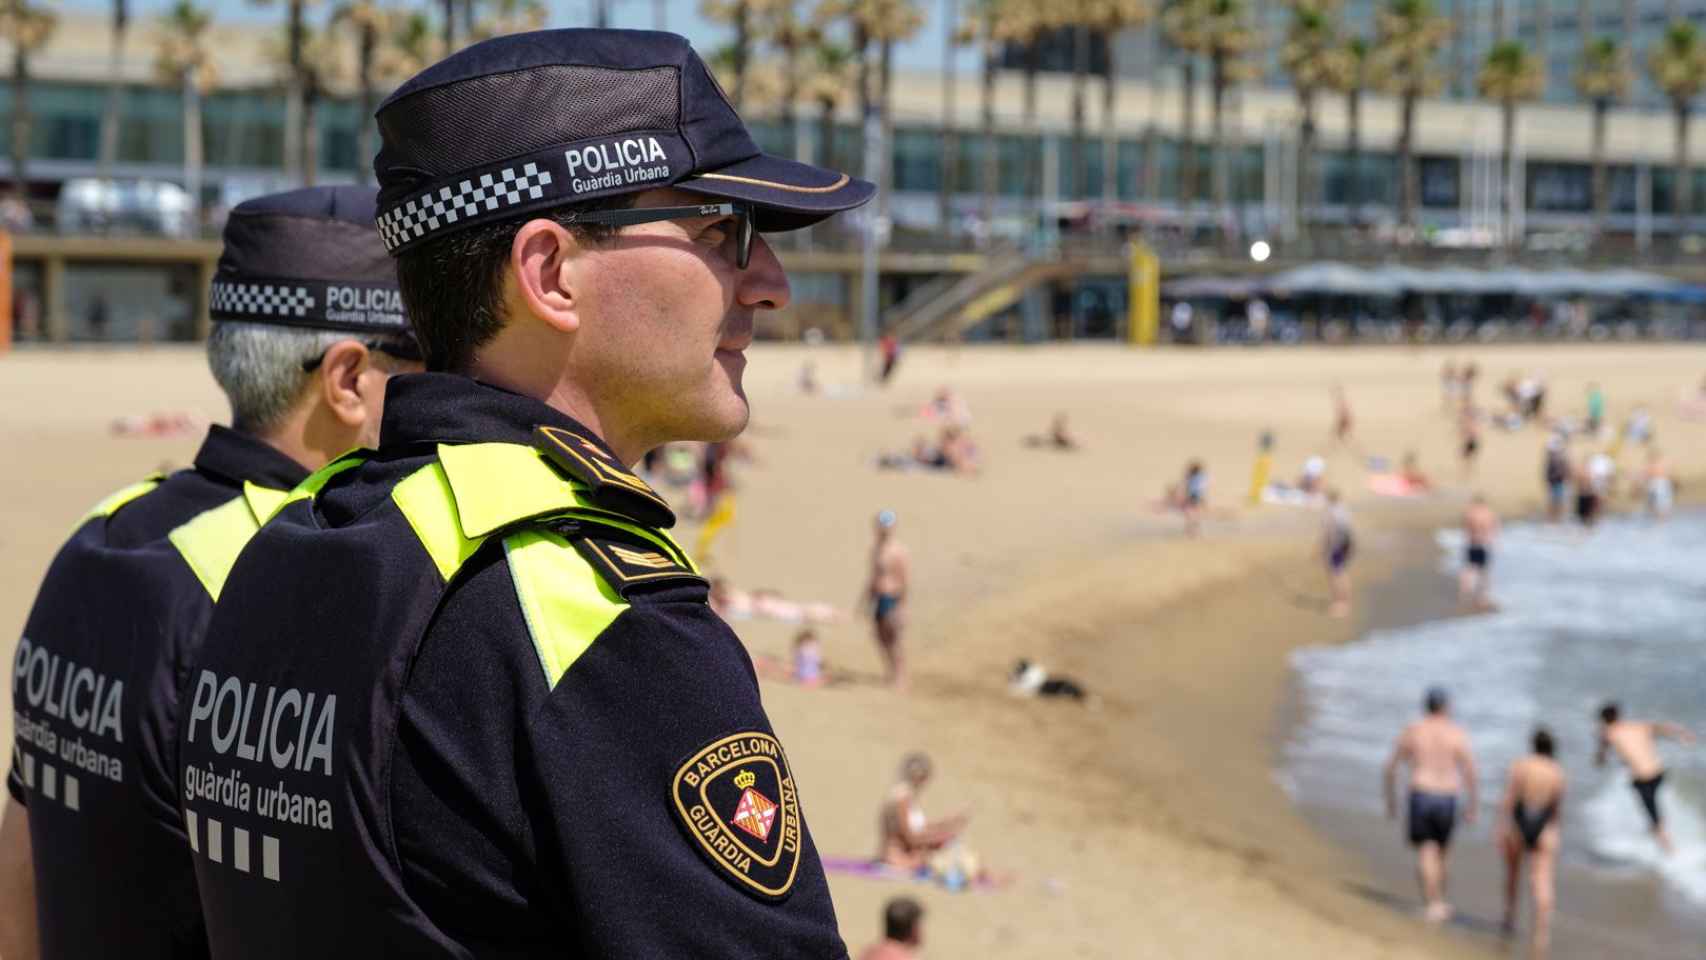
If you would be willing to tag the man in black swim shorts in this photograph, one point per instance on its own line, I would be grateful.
(1636, 744)
(1436, 750)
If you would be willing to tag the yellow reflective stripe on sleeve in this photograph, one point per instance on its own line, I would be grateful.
(108, 506)
(211, 542)
(565, 602)
(425, 499)
(263, 501)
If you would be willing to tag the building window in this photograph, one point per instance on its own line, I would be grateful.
(1439, 181)
(1560, 187)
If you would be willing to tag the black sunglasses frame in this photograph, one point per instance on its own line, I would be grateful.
(375, 346)
(637, 215)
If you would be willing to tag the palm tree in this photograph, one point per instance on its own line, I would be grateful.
(738, 14)
(1217, 29)
(1316, 61)
(979, 26)
(1604, 78)
(27, 28)
(369, 23)
(507, 16)
(1023, 23)
(951, 42)
(1510, 76)
(409, 48)
(1678, 66)
(781, 27)
(1352, 83)
(297, 162)
(885, 23)
(115, 88)
(1181, 23)
(829, 76)
(181, 58)
(1106, 18)
(1409, 36)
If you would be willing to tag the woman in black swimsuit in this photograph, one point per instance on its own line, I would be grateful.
(1529, 828)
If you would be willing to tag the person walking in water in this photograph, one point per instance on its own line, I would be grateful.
(1336, 547)
(1436, 750)
(1636, 744)
(1530, 821)
(891, 573)
(1480, 530)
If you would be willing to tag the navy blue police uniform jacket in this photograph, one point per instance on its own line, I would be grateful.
(95, 689)
(439, 714)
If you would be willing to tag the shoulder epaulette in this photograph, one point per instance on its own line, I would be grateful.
(624, 559)
(609, 483)
(109, 505)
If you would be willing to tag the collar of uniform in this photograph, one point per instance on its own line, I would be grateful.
(241, 458)
(446, 409)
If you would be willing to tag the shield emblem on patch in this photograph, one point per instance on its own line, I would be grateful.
(737, 801)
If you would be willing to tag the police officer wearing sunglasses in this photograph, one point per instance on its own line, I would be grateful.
(464, 695)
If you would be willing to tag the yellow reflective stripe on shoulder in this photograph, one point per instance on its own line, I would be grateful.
(118, 498)
(263, 501)
(211, 541)
(316, 481)
(425, 499)
(566, 603)
(496, 484)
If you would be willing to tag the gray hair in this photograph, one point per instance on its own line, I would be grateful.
(259, 366)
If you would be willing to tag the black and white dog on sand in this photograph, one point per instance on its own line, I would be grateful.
(1031, 680)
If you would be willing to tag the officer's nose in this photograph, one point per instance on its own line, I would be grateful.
(763, 284)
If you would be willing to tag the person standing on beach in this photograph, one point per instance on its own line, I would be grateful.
(1344, 421)
(1636, 744)
(1557, 476)
(891, 574)
(1436, 750)
(1530, 822)
(1337, 543)
(1660, 488)
(1481, 530)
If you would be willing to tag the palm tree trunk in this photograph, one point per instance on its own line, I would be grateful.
(1217, 105)
(1306, 166)
(1353, 154)
(1080, 89)
(886, 78)
(449, 27)
(364, 128)
(1507, 171)
(791, 96)
(1601, 107)
(310, 134)
(1034, 153)
(1406, 160)
(826, 134)
(115, 89)
(991, 172)
(743, 51)
(950, 140)
(1188, 133)
(192, 147)
(20, 121)
(296, 161)
(1110, 127)
(861, 42)
(1682, 203)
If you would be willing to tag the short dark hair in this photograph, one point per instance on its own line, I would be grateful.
(453, 286)
(1543, 741)
(901, 917)
(1610, 712)
(1435, 700)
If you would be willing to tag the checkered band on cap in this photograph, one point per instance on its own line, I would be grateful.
(261, 299)
(421, 215)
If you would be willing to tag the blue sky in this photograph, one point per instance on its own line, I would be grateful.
(682, 16)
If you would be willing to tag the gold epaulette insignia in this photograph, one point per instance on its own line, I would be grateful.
(609, 483)
(625, 560)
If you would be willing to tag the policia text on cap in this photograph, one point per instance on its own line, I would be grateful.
(463, 696)
(95, 860)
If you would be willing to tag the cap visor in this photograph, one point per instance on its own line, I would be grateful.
(788, 194)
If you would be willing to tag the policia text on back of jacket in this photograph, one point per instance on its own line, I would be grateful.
(99, 669)
(464, 696)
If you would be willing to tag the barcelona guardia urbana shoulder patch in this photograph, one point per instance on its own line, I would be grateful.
(737, 800)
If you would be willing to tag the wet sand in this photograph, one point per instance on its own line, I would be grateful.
(1153, 827)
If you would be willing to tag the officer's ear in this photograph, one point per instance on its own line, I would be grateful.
(340, 381)
(544, 261)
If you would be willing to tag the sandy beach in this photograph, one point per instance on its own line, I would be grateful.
(1153, 827)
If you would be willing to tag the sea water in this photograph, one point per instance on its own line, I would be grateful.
(1618, 612)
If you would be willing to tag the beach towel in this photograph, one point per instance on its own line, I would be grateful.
(876, 870)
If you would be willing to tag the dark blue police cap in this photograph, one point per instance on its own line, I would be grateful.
(308, 258)
(532, 121)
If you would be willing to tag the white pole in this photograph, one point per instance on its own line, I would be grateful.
(868, 267)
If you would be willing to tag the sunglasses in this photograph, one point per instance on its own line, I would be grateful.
(401, 353)
(628, 218)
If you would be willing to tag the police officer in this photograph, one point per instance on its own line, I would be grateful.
(465, 696)
(308, 327)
